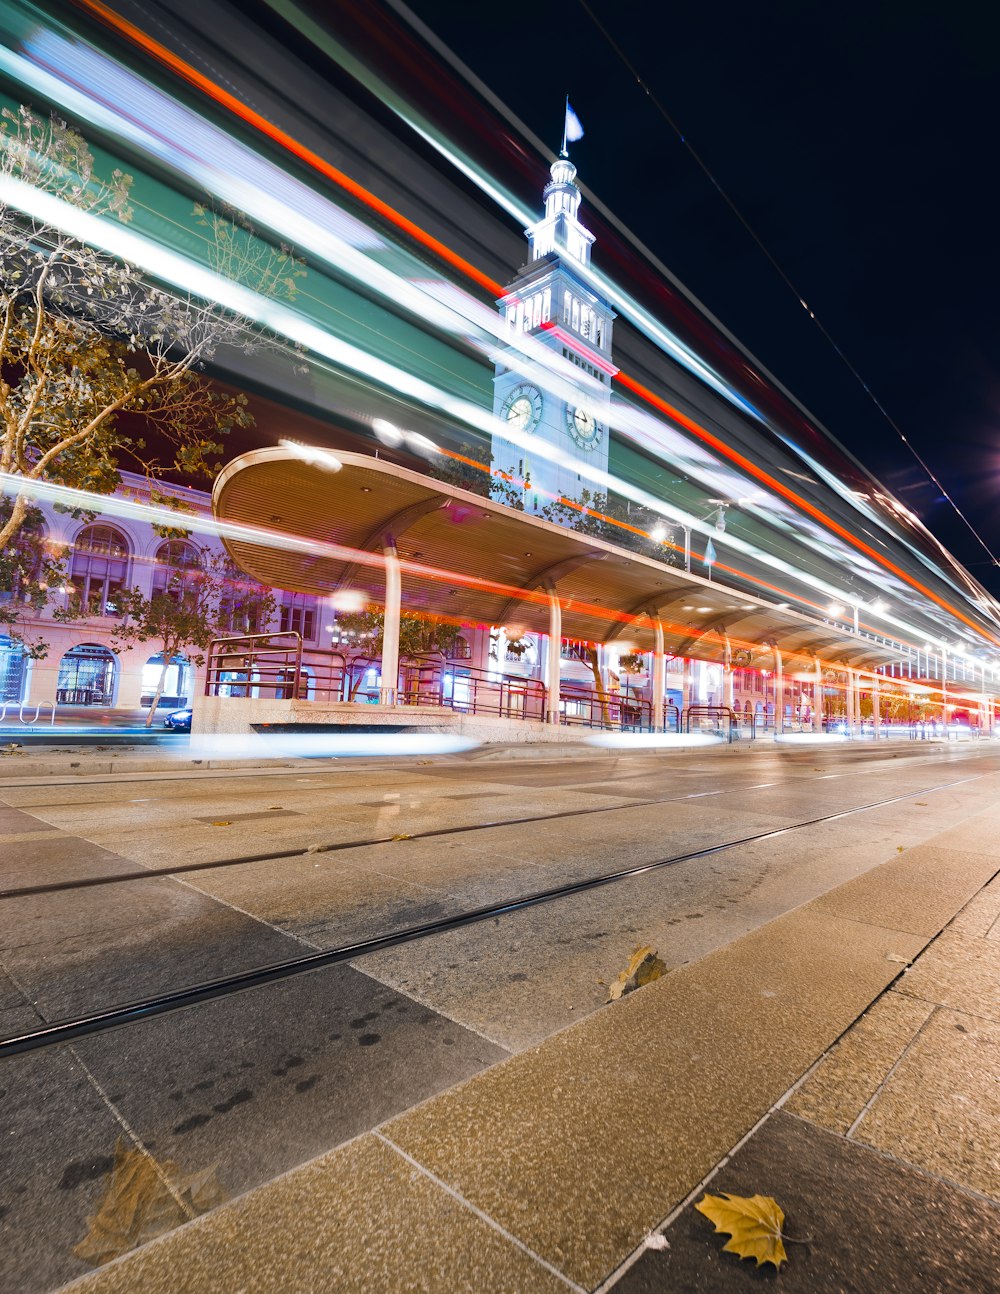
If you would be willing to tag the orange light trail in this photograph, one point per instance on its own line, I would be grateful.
(203, 83)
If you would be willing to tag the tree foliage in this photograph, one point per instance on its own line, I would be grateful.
(201, 600)
(417, 636)
(470, 469)
(85, 339)
(615, 520)
(28, 570)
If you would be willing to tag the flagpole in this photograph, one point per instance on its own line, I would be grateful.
(562, 151)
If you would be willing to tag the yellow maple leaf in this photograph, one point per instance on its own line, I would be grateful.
(644, 967)
(144, 1199)
(753, 1224)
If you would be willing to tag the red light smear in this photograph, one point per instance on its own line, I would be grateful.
(299, 150)
(636, 530)
(780, 488)
(286, 141)
(598, 361)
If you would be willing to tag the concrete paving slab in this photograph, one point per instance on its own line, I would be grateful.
(358, 1220)
(539, 970)
(580, 1146)
(876, 1227)
(16, 821)
(48, 858)
(918, 891)
(836, 1093)
(323, 901)
(58, 1139)
(95, 948)
(980, 918)
(960, 972)
(940, 1107)
(256, 1092)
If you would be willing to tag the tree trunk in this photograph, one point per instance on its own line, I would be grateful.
(595, 669)
(159, 690)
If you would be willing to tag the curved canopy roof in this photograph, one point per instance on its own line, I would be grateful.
(478, 562)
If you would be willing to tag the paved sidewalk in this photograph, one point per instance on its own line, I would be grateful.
(842, 1058)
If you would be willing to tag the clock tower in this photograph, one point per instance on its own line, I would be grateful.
(551, 302)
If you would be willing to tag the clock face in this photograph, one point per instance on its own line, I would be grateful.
(583, 427)
(522, 408)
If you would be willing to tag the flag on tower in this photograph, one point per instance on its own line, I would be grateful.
(572, 130)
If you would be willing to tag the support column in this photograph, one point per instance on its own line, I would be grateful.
(552, 660)
(876, 708)
(390, 630)
(779, 693)
(659, 678)
(817, 696)
(850, 700)
(944, 686)
(727, 673)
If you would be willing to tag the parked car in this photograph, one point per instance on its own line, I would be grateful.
(178, 721)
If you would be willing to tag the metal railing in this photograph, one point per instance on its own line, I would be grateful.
(717, 719)
(274, 665)
(589, 708)
(39, 707)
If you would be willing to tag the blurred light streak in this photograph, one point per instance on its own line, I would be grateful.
(322, 458)
(653, 740)
(624, 303)
(334, 745)
(187, 73)
(773, 483)
(206, 85)
(810, 738)
(187, 275)
(132, 509)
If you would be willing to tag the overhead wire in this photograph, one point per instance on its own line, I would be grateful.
(775, 264)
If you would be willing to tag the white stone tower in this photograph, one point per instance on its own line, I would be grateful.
(551, 301)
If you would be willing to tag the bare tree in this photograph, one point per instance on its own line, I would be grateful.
(85, 338)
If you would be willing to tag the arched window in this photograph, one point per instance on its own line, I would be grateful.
(297, 614)
(23, 561)
(98, 570)
(176, 559)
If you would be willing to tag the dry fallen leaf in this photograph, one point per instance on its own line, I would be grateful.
(403, 835)
(222, 824)
(753, 1224)
(899, 849)
(643, 968)
(143, 1200)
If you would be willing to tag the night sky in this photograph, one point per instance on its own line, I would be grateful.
(859, 141)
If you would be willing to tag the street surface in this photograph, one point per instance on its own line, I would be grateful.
(254, 1083)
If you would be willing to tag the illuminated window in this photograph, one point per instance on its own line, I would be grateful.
(176, 562)
(98, 570)
(297, 614)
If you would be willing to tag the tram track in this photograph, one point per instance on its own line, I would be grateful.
(66, 1031)
(243, 860)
